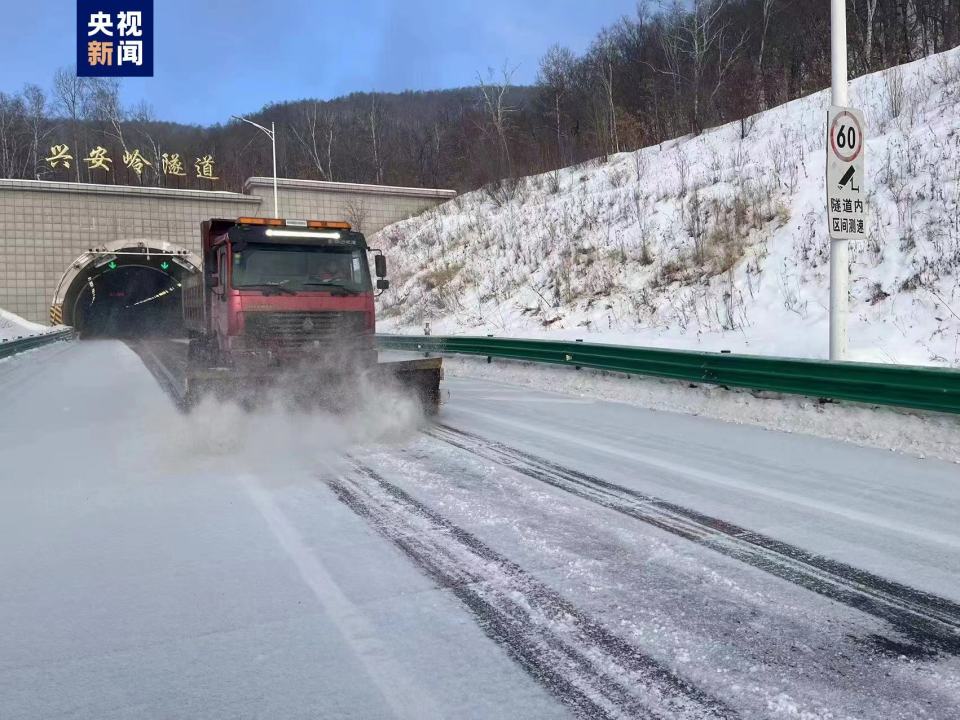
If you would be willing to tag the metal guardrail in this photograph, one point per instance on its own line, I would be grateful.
(18, 345)
(906, 386)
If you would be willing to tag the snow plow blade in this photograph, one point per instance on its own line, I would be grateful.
(421, 377)
(330, 388)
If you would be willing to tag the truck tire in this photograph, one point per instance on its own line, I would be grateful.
(200, 352)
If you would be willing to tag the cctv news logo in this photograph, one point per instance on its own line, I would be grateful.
(115, 38)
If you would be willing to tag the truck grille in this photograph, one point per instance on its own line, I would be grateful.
(303, 329)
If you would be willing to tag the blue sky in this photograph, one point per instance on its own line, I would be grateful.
(218, 57)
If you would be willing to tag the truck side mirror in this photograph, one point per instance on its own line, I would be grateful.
(382, 284)
(380, 263)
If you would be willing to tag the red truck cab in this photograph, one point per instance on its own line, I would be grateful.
(274, 291)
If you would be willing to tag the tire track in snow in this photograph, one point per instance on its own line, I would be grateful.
(931, 623)
(586, 667)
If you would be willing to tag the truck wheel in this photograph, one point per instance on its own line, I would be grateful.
(200, 352)
(195, 392)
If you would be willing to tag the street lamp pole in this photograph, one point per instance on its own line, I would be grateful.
(272, 134)
(273, 143)
(839, 249)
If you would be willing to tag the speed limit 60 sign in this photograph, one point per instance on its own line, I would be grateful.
(846, 191)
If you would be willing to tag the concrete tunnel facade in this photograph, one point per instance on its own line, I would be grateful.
(54, 234)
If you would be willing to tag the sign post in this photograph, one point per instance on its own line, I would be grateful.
(844, 125)
(846, 212)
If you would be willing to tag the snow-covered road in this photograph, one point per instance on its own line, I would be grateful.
(525, 555)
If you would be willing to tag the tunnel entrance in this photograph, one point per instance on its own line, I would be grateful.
(125, 290)
(130, 301)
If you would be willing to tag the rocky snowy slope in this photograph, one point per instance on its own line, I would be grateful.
(716, 241)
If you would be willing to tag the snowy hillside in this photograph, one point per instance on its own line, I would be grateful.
(13, 326)
(711, 242)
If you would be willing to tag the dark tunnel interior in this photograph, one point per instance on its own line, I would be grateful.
(129, 301)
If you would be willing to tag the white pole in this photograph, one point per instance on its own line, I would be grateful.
(839, 251)
(273, 139)
(838, 51)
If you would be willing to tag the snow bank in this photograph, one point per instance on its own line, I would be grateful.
(13, 327)
(717, 241)
(914, 433)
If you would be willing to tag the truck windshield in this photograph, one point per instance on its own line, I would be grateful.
(301, 268)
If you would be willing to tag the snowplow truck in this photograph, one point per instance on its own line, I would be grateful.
(287, 306)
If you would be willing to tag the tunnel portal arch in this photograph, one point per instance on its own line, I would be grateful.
(131, 275)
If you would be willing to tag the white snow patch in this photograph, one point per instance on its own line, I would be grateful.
(13, 327)
(914, 433)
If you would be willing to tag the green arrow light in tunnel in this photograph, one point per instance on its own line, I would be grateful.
(164, 265)
(112, 265)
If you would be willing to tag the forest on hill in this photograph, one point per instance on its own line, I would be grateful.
(664, 72)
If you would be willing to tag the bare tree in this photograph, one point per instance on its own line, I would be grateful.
(356, 213)
(103, 106)
(35, 109)
(767, 8)
(671, 47)
(727, 50)
(315, 131)
(556, 71)
(71, 94)
(605, 48)
(871, 6)
(141, 116)
(499, 111)
(13, 135)
(376, 139)
(693, 39)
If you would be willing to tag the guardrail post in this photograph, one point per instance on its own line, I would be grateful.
(426, 333)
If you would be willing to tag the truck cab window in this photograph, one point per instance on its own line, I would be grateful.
(297, 267)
